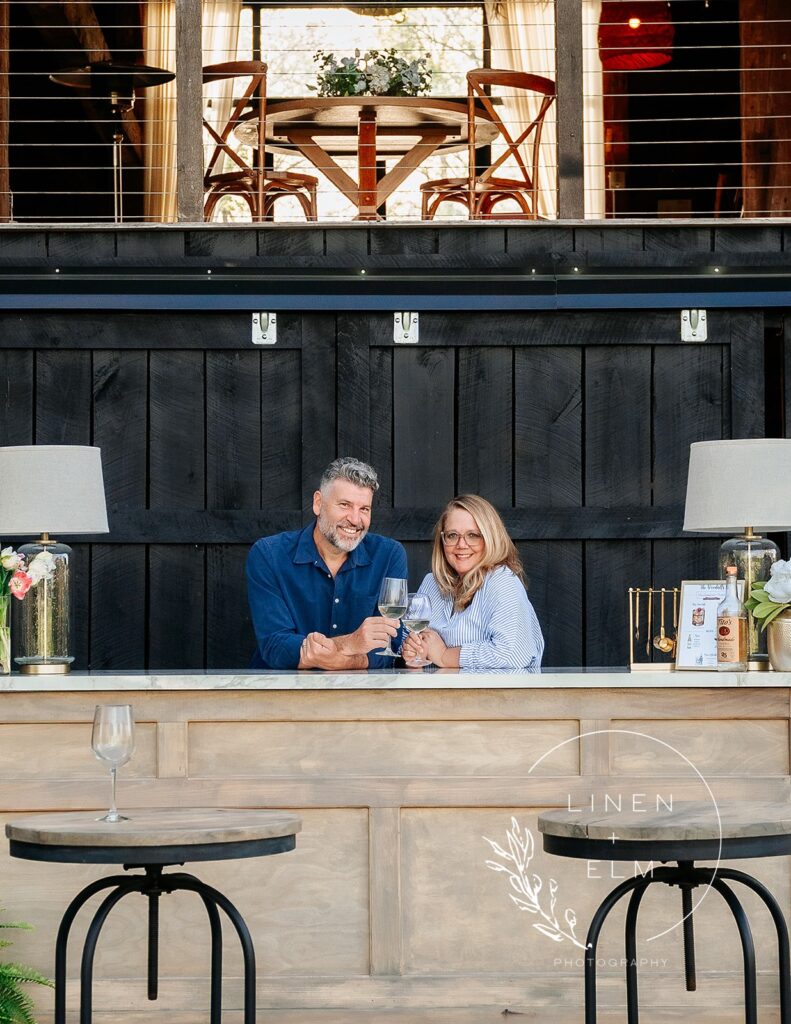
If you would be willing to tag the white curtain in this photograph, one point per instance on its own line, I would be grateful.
(220, 39)
(160, 128)
(522, 36)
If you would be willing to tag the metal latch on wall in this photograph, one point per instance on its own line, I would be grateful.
(693, 325)
(405, 328)
(264, 328)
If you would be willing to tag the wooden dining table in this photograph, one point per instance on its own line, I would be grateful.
(374, 128)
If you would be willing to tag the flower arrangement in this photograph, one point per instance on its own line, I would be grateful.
(17, 576)
(375, 73)
(768, 599)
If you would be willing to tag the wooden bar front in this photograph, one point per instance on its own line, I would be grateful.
(388, 902)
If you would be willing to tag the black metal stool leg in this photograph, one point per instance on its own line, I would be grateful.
(690, 974)
(783, 945)
(236, 919)
(748, 950)
(61, 943)
(153, 945)
(632, 1013)
(89, 949)
(592, 941)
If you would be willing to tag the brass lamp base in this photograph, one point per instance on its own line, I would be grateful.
(58, 669)
(759, 666)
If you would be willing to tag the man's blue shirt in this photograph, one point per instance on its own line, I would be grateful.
(293, 593)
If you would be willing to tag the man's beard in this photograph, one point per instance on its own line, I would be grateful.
(330, 532)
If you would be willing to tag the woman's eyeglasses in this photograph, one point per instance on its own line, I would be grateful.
(451, 538)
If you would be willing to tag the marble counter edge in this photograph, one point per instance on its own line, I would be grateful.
(393, 680)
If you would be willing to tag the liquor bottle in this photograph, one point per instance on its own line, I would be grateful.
(731, 628)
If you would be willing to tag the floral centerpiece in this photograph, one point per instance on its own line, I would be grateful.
(768, 599)
(17, 576)
(375, 73)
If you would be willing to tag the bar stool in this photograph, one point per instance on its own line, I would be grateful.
(685, 833)
(153, 840)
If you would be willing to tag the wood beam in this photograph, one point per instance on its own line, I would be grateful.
(568, 50)
(189, 137)
(5, 111)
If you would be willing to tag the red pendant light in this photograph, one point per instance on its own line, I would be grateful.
(635, 34)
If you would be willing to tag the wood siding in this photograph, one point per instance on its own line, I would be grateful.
(576, 424)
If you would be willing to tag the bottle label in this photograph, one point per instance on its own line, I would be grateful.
(731, 639)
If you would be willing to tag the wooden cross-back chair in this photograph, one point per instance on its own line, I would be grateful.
(259, 186)
(481, 192)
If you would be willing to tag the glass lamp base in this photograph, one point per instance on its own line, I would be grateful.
(753, 557)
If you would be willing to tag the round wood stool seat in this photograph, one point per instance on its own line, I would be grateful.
(684, 833)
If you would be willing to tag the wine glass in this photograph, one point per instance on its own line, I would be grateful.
(416, 619)
(113, 741)
(392, 605)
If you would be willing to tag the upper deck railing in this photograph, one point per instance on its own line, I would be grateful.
(665, 108)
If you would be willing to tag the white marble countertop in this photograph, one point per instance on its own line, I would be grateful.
(394, 679)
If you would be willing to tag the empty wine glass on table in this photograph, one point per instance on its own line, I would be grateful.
(392, 605)
(113, 741)
(416, 619)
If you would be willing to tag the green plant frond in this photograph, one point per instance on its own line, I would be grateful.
(16, 1007)
(18, 973)
(17, 924)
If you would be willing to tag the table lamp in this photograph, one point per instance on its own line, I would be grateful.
(49, 488)
(739, 487)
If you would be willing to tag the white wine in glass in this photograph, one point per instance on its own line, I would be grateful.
(416, 618)
(113, 741)
(392, 605)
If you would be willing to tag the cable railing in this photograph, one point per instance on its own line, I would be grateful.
(682, 109)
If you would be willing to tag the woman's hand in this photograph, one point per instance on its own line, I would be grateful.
(433, 646)
(412, 649)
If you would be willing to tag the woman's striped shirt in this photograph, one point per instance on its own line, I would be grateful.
(497, 629)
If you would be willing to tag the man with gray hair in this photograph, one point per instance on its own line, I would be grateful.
(313, 592)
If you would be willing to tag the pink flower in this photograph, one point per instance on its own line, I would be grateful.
(19, 584)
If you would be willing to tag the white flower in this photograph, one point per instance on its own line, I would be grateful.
(379, 79)
(779, 586)
(9, 559)
(42, 567)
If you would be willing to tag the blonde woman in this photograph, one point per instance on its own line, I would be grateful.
(481, 617)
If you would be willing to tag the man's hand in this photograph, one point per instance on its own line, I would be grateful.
(319, 651)
(372, 634)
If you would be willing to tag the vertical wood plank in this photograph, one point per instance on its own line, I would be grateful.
(354, 393)
(118, 581)
(177, 445)
(176, 627)
(384, 856)
(553, 568)
(189, 110)
(176, 465)
(281, 429)
(687, 408)
(319, 421)
(548, 426)
(63, 397)
(570, 127)
(16, 396)
(485, 417)
(611, 567)
(423, 403)
(172, 739)
(747, 375)
(230, 641)
(233, 430)
(617, 426)
(418, 557)
(381, 422)
(118, 606)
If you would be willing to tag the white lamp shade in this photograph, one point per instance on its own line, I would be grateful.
(51, 488)
(740, 483)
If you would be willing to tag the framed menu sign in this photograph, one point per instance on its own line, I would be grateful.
(696, 644)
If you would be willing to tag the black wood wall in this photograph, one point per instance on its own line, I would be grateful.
(576, 425)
